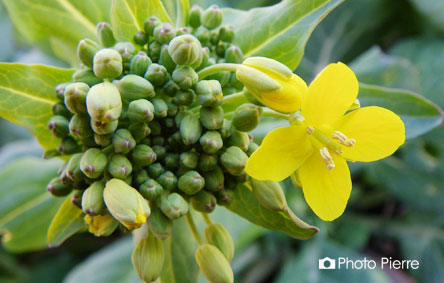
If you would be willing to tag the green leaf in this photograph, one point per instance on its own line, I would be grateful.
(26, 208)
(28, 94)
(180, 265)
(245, 204)
(279, 31)
(67, 222)
(65, 20)
(432, 11)
(178, 11)
(111, 265)
(419, 114)
(127, 16)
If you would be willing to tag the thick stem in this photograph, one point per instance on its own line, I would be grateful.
(193, 228)
(207, 219)
(216, 68)
(270, 113)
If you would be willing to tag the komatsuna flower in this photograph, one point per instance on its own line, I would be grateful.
(319, 144)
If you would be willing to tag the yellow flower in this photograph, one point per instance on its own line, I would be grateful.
(320, 145)
(272, 83)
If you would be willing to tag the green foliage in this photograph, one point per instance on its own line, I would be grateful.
(285, 39)
(178, 10)
(28, 93)
(26, 208)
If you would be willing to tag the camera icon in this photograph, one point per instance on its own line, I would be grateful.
(327, 263)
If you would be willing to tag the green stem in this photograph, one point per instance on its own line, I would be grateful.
(235, 97)
(270, 113)
(207, 219)
(193, 228)
(216, 68)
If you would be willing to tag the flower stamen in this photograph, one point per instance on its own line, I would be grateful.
(327, 158)
(343, 139)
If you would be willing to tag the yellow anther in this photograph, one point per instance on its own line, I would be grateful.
(310, 130)
(327, 158)
(343, 139)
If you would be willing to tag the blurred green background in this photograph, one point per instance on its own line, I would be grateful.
(396, 208)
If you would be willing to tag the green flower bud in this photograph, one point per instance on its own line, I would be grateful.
(156, 74)
(156, 128)
(101, 225)
(125, 204)
(252, 147)
(207, 162)
(75, 97)
(225, 131)
(123, 141)
(212, 17)
(212, 118)
(143, 155)
(221, 48)
(86, 50)
(60, 109)
(68, 146)
(247, 117)
(160, 151)
(154, 49)
(213, 264)
(172, 109)
(86, 76)
(164, 33)
(160, 108)
(139, 64)
(150, 24)
(76, 198)
(203, 34)
(209, 93)
(141, 38)
(59, 126)
(218, 236)
(185, 77)
(57, 188)
(224, 197)
(233, 54)
(139, 131)
(140, 110)
(214, 37)
(234, 160)
(185, 97)
(120, 167)
(269, 194)
(189, 159)
(166, 60)
(133, 87)
(172, 160)
(185, 50)
(194, 16)
(190, 129)
(108, 64)
(182, 31)
(151, 190)
(126, 49)
(148, 258)
(104, 129)
(168, 180)
(79, 126)
(180, 115)
(93, 163)
(226, 33)
(239, 139)
(104, 103)
(222, 77)
(174, 206)
(159, 140)
(92, 199)
(105, 34)
(155, 170)
(211, 142)
(214, 180)
(88, 141)
(73, 168)
(191, 182)
(140, 177)
(60, 90)
(170, 88)
(159, 224)
(204, 202)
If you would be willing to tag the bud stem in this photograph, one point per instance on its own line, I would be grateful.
(207, 219)
(216, 68)
(271, 113)
(193, 228)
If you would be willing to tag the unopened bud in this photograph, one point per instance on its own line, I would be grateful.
(185, 97)
(172, 160)
(93, 163)
(204, 202)
(141, 38)
(185, 77)
(157, 74)
(73, 168)
(150, 24)
(108, 64)
(191, 182)
(140, 110)
(139, 131)
(101, 225)
(155, 170)
(269, 194)
(209, 93)
(86, 50)
(160, 108)
(218, 236)
(247, 117)
(214, 180)
(170, 88)
(60, 109)
(164, 33)
(67, 146)
(104, 128)
(92, 199)
(105, 34)
(151, 190)
(194, 17)
(123, 141)
(207, 162)
(212, 17)
(226, 33)
(59, 126)
(143, 155)
(174, 206)
(185, 50)
(133, 87)
(166, 60)
(141, 177)
(224, 197)
(212, 118)
(190, 129)
(159, 224)
(213, 264)
(125, 204)
(239, 139)
(168, 180)
(234, 160)
(104, 103)
(154, 50)
(225, 130)
(75, 97)
(252, 147)
(203, 34)
(233, 54)
(57, 188)
(189, 159)
(211, 142)
(120, 167)
(79, 126)
(148, 258)
(139, 64)
(86, 76)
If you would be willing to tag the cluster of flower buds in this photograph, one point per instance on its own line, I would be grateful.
(145, 138)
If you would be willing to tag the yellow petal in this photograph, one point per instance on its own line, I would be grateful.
(378, 133)
(281, 153)
(289, 97)
(326, 191)
(330, 95)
